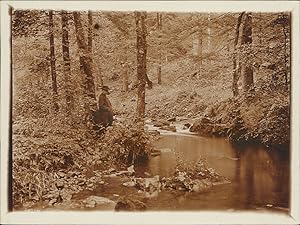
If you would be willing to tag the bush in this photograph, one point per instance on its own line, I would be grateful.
(193, 177)
(127, 144)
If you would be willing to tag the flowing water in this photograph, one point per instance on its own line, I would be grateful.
(259, 177)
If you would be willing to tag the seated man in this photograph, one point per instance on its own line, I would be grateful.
(104, 115)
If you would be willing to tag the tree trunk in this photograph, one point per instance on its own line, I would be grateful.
(86, 69)
(157, 21)
(236, 74)
(160, 21)
(90, 43)
(247, 71)
(84, 58)
(209, 37)
(67, 62)
(90, 32)
(209, 33)
(287, 61)
(52, 62)
(235, 79)
(260, 31)
(159, 26)
(141, 62)
(159, 73)
(200, 44)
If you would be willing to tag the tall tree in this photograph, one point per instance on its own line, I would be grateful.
(52, 61)
(85, 60)
(159, 27)
(90, 32)
(66, 61)
(122, 25)
(141, 47)
(200, 45)
(209, 32)
(247, 71)
(236, 74)
(200, 42)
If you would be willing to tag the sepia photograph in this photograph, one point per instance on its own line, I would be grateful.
(142, 110)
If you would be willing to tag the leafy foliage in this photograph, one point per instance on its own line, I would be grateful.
(193, 177)
(130, 143)
(24, 22)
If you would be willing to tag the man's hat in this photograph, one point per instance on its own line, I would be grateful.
(105, 88)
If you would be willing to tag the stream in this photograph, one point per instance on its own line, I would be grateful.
(259, 177)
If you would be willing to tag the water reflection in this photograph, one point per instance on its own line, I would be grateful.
(259, 177)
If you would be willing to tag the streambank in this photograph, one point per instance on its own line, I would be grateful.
(261, 117)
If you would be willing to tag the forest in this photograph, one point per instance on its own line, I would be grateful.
(222, 79)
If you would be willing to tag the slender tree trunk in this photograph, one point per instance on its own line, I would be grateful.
(157, 21)
(209, 34)
(86, 66)
(209, 47)
(286, 57)
(200, 44)
(235, 89)
(259, 35)
(90, 32)
(141, 62)
(52, 62)
(160, 21)
(236, 74)
(90, 44)
(159, 73)
(159, 26)
(247, 71)
(67, 62)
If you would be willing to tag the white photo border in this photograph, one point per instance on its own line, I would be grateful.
(207, 217)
